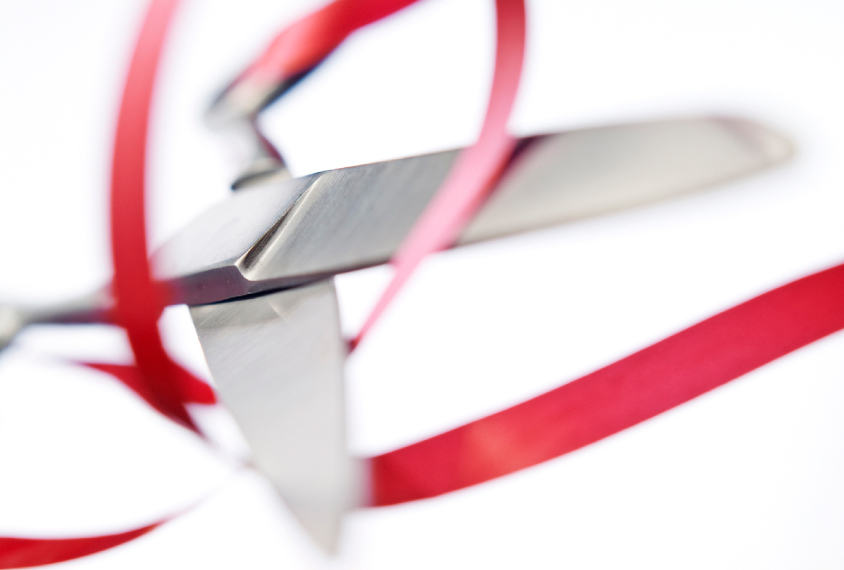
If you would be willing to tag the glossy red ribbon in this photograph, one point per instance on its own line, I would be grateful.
(476, 170)
(621, 395)
(305, 43)
(607, 401)
(191, 390)
(139, 301)
(28, 552)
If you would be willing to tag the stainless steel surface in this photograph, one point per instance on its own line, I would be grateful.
(596, 171)
(91, 308)
(296, 231)
(234, 113)
(277, 358)
(262, 161)
(12, 322)
(277, 361)
(293, 231)
(201, 261)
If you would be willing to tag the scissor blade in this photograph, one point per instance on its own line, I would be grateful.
(597, 171)
(277, 361)
(327, 223)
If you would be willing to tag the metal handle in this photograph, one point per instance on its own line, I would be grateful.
(94, 307)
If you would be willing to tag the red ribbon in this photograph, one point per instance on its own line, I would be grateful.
(305, 43)
(477, 168)
(632, 390)
(28, 552)
(623, 394)
(191, 389)
(139, 301)
(607, 401)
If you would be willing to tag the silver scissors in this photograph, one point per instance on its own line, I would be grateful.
(258, 271)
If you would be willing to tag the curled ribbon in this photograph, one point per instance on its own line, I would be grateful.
(634, 389)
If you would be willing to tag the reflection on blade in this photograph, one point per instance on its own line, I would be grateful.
(312, 227)
(277, 361)
(277, 358)
(596, 171)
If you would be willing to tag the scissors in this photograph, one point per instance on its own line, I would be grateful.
(257, 270)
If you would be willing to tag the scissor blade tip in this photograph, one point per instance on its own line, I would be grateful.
(322, 526)
(776, 146)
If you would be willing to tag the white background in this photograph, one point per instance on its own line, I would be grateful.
(748, 476)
